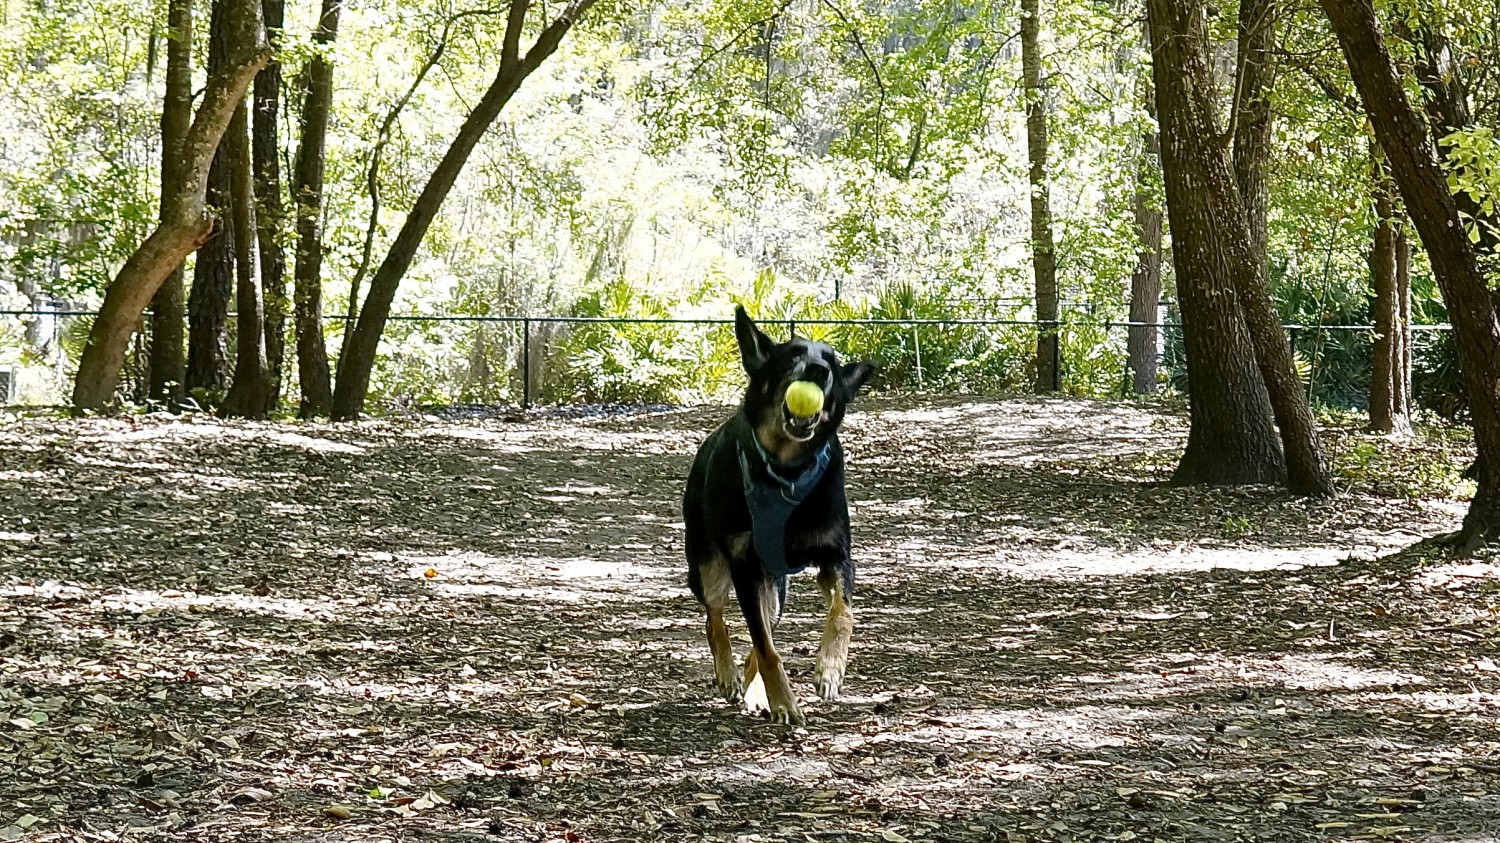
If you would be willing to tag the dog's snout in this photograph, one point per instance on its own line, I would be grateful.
(816, 371)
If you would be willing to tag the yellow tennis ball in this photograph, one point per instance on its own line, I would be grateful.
(804, 399)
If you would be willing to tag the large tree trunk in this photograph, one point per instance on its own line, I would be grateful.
(208, 300)
(185, 226)
(307, 188)
(213, 271)
(1143, 342)
(1251, 116)
(269, 211)
(1307, 471)
(1390, 374)
(1455, 263)
(1043, 250)
(361, 345)
(250, 394)
(1230, 437)
(168, 355)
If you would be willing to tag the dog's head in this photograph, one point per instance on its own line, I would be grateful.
(775, 366)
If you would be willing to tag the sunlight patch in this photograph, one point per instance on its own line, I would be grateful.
(141, 601)
(1071, 562)
(1472, 702)
(22, 476)
(541, 579)
(462, 566)
(1440, 576)
(218, 432)
(308, 443)
(1082, 728)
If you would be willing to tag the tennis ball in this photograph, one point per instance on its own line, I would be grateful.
(804, 399)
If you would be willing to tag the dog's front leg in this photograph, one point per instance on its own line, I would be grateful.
(759, 600)
(716, 586)
(725, 676)
(833, 654)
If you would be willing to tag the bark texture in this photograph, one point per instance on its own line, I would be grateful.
(1231, 439)
(213, 288)
(213, 271)
(1390, 372)
(1432, 209)
(1145, 283)
(1043, 248)
(269, 209)
(307, 192)
(250, 395)
(186, 224)
(168, 306)
(1252, 120)
(1307, 470)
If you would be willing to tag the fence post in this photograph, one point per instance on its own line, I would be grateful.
(791, 329)
(526, 364)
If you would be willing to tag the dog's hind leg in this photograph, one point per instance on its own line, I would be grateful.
(716, 588)
(760, 602)
(833, 654)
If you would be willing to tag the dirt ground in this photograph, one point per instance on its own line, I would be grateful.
(478, 629)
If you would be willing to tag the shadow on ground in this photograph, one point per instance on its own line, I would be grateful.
(479, 630)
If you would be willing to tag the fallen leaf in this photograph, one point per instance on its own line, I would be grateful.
(250, 795)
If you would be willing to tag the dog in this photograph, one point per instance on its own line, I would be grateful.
(764, 500)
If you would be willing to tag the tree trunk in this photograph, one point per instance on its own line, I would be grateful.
(185, 226)
(1390, 377)
(213, 271)
(269, 211)
(1455, 264)
(250, 394)
(1043, 250)
(167, 362)
(1143, 342)
(1403, 402)
(1230, 436)
(307, 187)
(1307, 471)
(208, 301)
(1251, 116)
(361, 345)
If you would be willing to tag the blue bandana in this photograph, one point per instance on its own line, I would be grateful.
(772, 495)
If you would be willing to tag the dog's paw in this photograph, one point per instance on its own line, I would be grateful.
(729, 686)
(829, 681)
(787, 716)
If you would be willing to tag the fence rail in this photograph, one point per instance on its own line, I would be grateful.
(528, 323)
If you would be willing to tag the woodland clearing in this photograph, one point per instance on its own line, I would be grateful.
(474, 626)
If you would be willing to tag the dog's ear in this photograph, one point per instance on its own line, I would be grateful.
(755, 346)
(856, 374)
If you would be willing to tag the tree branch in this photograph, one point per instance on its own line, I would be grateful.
(859, 44)
(510, 53)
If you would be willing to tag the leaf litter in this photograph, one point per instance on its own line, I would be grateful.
(477, 629)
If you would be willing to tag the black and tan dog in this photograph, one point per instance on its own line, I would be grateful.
(765, 499)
